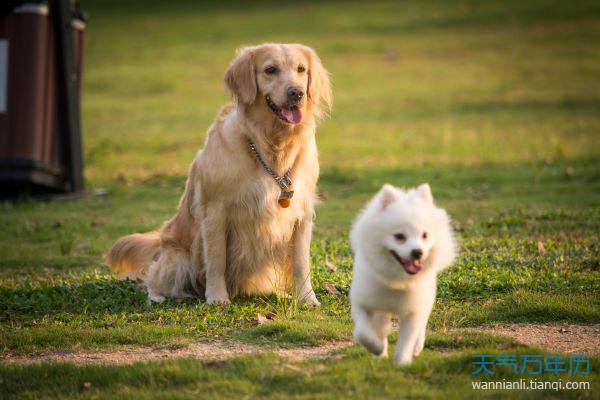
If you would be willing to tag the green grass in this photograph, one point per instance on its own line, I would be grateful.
(350, 374)
(495, 104)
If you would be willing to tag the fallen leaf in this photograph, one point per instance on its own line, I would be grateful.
(331, 267)
(331, 289)
(260, 319)
(540, 247)
(271, 315)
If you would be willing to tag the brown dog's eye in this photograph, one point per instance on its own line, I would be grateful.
(425, 235)
(271, 70)
(400, 237)
(301, 68)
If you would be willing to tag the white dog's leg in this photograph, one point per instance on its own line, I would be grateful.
(382, 323)
(214, 252)
(365, 333)
(420, 344)
(410, 329)
(301, 263)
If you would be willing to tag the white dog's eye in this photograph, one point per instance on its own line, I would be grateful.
(400, 237)
(271, 70)
(425, 235)
(301, 68)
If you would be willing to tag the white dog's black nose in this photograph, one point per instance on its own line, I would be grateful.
(416, 254)
(294, 94)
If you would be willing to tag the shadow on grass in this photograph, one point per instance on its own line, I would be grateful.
(86, 298)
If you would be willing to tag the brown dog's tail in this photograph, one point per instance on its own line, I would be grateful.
(131, 255)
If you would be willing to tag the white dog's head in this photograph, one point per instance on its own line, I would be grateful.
(406, 230)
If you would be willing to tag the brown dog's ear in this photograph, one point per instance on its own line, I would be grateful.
(240, 77)
(319, 85)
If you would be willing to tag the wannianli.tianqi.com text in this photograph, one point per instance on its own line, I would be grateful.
(531, 384)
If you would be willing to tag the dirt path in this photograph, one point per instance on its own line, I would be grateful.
(209, 351)
(556, 338)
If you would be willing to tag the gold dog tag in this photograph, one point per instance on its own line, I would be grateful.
(285, 198)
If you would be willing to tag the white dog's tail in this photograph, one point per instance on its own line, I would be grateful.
(131, 255)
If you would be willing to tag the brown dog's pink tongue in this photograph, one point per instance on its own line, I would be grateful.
(296, 116)
(287, 114)
(292, 116)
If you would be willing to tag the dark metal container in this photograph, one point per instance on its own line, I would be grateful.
(40, 85)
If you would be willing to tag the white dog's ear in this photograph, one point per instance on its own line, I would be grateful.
(424, 193)
(319, 85)
(387, 195)
(240, 77)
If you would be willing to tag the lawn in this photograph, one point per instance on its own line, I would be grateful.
(494, 103)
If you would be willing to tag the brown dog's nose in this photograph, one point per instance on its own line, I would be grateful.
(294, 94)
(416, 254)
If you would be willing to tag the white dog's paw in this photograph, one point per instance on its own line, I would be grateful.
(419, 345)
(418, 350)
(383, 355)
(371, 343)
(401, 361)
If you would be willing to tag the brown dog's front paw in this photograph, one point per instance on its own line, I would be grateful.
(219, 297)
(222, 302)
(311, 300)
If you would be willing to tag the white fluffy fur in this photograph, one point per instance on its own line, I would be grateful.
(382, 287)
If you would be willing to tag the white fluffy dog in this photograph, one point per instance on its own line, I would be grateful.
(401, 241)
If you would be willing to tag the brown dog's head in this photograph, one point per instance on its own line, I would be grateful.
(287, 80)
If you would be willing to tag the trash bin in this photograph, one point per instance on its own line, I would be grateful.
(41, 45)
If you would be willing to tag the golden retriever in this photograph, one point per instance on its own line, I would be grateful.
(237, 231)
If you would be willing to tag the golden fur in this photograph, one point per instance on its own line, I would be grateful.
(230, 237)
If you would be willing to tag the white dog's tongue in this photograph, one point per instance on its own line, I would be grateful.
(412, 268)
(293, 116)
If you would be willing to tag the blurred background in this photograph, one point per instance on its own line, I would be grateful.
(415, 83)
(495, 103)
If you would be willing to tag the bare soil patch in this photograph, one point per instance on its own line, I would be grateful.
(209, 351)
(558, 338)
